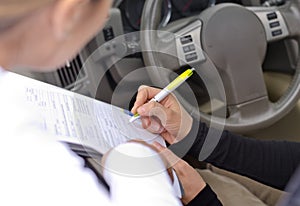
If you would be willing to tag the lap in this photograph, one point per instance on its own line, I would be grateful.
(233, 189)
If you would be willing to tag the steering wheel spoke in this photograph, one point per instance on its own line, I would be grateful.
(180, 45)
(188, 45)
(249, 110)
(273, 21)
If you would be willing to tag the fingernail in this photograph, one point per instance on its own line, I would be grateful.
(132, 109)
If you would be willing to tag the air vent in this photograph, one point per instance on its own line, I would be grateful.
(69, 74)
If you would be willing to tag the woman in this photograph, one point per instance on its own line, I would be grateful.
(269, 162)
(36, 170)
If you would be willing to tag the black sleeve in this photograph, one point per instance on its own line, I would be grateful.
(269, 162)
(206, 197)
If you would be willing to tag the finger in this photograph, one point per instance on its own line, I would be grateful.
(103, 160)
(153, 125)
(167, 154)
(145, 93)
(168, 137)
(141, 98)
(145, 122)
(154, 109)
(158, 146)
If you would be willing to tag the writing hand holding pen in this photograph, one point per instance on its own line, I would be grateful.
(168, 89)
(167, 118)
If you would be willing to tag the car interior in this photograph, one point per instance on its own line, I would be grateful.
(245, 52)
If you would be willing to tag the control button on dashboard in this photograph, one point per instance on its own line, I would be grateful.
(274, 24)
(108, 33)
(191, 57)
(189, 48)
(272, 16)
(186, 39)
(277, 32)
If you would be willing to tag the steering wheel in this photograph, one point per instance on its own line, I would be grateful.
(232, 39)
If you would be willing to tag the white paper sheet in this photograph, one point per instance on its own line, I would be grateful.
(79, 119)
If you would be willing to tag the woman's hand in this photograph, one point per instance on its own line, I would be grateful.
(190, 179)
(167, 118)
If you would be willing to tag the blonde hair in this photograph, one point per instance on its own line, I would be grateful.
(11, 11)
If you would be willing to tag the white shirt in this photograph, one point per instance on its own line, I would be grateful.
(36, 170)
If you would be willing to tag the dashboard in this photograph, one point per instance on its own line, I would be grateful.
(131, 11)
(125, 19)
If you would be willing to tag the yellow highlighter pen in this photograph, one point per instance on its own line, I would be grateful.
(168, 89)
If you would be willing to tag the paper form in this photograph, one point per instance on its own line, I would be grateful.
(79, 119)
